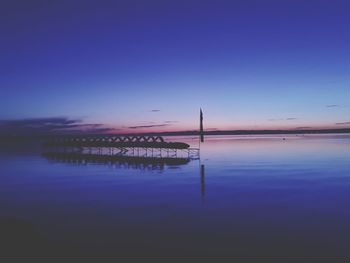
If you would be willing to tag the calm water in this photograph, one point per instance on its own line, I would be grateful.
(259, 197)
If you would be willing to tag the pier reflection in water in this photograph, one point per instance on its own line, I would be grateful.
(143, 163)
(116, 160)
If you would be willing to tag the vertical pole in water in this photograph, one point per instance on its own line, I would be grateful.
(201, 140)
(201, 125)
(201, 131)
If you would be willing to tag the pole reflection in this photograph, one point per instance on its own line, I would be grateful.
(202, 170)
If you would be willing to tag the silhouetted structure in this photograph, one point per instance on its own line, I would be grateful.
(113, 147)
(201, 131)
(114, 141)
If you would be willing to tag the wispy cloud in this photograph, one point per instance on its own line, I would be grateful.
(35, 126)
(302, 128)
(342, 123)
(283, 119)
(148, 126)
(171, 122)
(332, 106)
(155, 110)
(275, 119)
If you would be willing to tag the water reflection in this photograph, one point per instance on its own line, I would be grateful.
(202, 180)
(148, 163)
(264, 197)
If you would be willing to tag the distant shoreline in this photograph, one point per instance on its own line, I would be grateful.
(184, 133)
(253, 132)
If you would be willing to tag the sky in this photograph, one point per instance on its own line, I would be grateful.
(144, 66)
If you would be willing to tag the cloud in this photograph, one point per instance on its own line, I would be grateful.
(332, 106)
(301, 128)
(40, 121)
(171, 121)
(152, 124)
(54, 125)
(342, 123)
(283, 119)
(148, 126)
(154, 110)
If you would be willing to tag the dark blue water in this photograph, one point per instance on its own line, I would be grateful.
(257, 197)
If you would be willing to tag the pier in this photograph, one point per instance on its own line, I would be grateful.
(112, 146)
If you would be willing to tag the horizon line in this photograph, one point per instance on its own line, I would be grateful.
(192, 132)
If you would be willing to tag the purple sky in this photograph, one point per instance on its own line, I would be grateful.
(139, 66)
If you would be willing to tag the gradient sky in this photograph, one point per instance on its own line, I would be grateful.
(149, 65)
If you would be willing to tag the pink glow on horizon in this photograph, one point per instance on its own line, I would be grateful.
(178, 128)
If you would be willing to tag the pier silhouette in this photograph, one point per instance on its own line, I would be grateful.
(114, 141)
(151, 151)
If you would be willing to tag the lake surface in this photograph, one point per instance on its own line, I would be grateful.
(248, 198)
